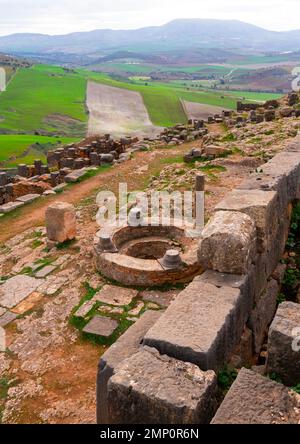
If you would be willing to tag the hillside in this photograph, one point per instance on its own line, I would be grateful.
(178, 34)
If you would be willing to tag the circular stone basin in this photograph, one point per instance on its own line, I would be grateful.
(139, 251)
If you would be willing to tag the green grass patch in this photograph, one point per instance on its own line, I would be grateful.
(66, 245)
(212, 168)
(36, 244)
(226, 378)
(16, 148)
(296, 388)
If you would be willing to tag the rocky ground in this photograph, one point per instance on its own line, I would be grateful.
(48, 371)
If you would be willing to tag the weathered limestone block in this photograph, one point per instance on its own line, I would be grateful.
(28, 198)
(284, 344)
(281, 174)
(228, 243)
(255, 399)
(214, 151)
(263, 314)
(61, 222)
(106, 158)
(75, 176)
(127, 345)
(95, 159)
(202, 325)
(10, 206)
(151, 389)
(261, 206)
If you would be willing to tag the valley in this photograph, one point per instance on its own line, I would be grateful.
(47, 105)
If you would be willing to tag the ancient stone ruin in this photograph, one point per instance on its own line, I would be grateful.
(163, 370)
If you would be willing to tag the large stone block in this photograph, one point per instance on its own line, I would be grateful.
(263, 314)
(261, 206)
(127, 345)
(281, 174)
(61, 222)
(202, 325)
(152, 389)
(255, 399)
(228, 243)
(284, 344)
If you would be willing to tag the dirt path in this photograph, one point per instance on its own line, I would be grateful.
(117, 111)
(134, 172)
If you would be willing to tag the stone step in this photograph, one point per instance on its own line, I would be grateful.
(255, 399)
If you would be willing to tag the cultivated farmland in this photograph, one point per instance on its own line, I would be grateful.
(117, 111)
(200, 111)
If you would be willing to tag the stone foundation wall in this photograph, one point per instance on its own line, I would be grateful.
(230, 305)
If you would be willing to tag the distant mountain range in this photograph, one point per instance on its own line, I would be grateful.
(178, 35)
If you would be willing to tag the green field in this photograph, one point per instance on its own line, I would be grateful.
(44, 98)
(15, 149)
(51, 101)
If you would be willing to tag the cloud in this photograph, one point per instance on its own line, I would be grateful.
(63, 16)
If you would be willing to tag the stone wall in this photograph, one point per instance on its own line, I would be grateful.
(233, 300)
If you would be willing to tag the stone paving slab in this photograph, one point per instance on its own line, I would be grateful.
(7, 318)
(45, 271)
(255, 399)
(75, 176)
(101, 326)
(148, 388)
(28, 198)
(27, 304)
(61, 260)
(52, 284)
(84, 309)
(7, 208)
(163, 298)
(16, 289)
(113, 295)
(60, 187)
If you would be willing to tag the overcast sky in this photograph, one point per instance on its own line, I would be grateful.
(64, 16)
